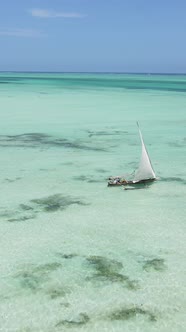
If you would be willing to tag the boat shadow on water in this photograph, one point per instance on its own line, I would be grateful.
(143, 185)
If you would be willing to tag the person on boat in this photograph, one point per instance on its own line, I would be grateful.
(119, 181)
(116, 180)
(123, 181)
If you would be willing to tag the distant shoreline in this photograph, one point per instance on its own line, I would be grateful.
(96, 73)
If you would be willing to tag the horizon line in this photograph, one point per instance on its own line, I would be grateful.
(92, 72)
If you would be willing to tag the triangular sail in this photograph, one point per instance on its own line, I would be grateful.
(145, 170)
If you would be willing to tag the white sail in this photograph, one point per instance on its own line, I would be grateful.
(145, 170)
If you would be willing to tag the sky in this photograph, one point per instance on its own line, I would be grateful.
(93, 35)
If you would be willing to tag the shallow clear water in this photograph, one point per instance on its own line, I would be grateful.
(75, 254)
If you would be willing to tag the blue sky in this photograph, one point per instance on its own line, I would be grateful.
(93, 35)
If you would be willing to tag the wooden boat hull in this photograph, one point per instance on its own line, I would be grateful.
(112, 184)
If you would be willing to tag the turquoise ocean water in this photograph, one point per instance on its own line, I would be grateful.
(76, 255)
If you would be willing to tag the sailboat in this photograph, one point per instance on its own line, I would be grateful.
(145, 172)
